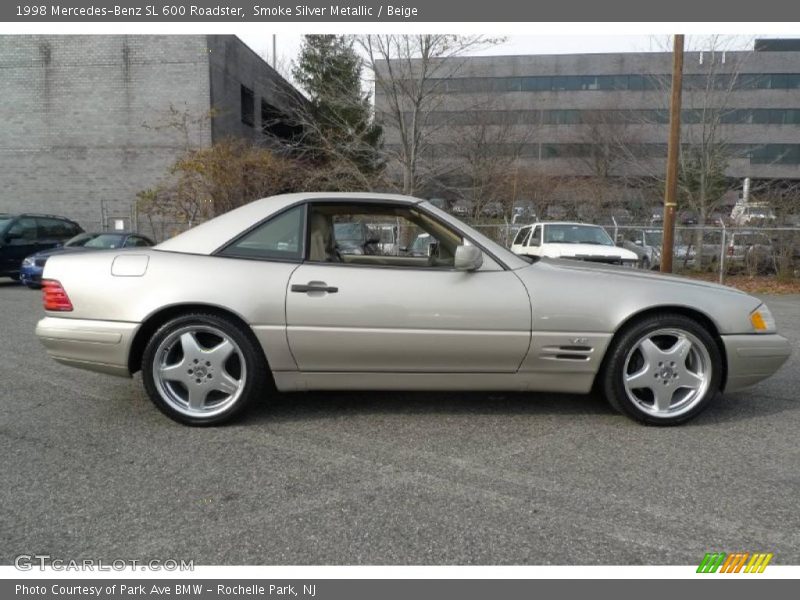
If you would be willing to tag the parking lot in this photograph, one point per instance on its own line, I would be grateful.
(92, 470)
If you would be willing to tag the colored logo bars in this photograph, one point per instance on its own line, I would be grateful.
(734, 563)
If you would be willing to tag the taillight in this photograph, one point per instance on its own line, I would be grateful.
(54, 296)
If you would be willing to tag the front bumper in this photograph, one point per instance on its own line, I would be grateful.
(101, 346)
(753, 357)
(31, 276)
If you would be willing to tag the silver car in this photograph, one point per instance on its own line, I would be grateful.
(261, 299)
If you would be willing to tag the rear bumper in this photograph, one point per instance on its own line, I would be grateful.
(101, 346)
(752, 358)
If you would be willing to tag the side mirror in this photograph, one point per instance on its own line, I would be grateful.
(13, 235)
(468, 258)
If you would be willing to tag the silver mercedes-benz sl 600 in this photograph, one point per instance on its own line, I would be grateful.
(263, 298)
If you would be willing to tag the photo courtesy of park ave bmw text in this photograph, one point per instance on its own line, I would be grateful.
(342, 300)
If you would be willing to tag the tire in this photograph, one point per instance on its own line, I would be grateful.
(203, 369)
(642, 381)
(645, 264)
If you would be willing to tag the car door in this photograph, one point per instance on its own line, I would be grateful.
(344, 317)
(361, 318)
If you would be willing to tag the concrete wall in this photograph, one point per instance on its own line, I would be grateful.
(618, 64)
(86, 119)
(233, 64)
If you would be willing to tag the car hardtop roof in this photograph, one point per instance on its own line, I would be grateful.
(46, 215)
(111, 233)
(338, 196)
(210, 235)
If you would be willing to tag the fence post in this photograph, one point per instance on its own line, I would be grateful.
(722, 250)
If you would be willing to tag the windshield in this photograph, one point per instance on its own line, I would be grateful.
(3, 222)
(653, 238)
(80, 240)
(348, 231)
(105, 240)
(576, 234)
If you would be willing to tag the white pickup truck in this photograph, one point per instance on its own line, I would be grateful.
(577, 241)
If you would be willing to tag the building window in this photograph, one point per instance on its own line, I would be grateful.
(248, 106)
(279, 124)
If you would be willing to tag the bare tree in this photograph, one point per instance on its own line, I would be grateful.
(411, 73)
(713, 71)
(481, 159)
(608, 138)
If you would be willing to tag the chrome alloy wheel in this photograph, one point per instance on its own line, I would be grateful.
(667, 372)
(199, 371)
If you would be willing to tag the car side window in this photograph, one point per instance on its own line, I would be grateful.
(24, 229)
(521, 235)
(135, 241)
(536, 237)
(281, 237)
(51, 229)
(350, 234)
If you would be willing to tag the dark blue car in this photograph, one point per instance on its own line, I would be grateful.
(31, 271)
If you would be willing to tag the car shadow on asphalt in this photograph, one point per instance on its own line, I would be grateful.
(324, 405)
(289, 407)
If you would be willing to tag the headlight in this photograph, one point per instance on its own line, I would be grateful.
(28, 262)
(762, 320)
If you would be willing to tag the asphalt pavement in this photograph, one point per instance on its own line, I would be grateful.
(92, 470)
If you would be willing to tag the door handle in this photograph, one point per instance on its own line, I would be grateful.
(314, 286)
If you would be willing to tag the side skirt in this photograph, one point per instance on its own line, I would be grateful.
(572, 383)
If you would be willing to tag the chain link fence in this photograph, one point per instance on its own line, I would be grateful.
(718, 249)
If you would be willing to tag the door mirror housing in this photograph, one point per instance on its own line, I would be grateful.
(468, 258)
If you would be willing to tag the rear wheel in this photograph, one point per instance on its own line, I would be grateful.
(202, 369)
(663, 370)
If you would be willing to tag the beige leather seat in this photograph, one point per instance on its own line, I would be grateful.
(322, 247)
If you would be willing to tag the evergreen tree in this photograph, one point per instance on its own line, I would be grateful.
(340, 126)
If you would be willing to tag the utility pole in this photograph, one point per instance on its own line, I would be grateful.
(674, 147)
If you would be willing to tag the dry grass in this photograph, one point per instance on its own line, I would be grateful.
(758, 284)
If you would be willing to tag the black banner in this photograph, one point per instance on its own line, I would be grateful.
(410, 11)
(347, 589)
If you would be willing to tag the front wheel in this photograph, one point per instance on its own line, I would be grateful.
(663, 370)
(202, 369)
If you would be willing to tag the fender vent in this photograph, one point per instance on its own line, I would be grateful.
(573, 353)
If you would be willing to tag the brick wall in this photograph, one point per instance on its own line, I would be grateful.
(86, 119)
